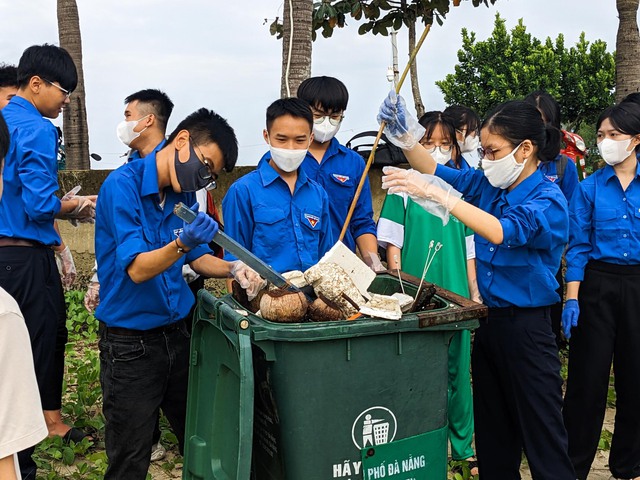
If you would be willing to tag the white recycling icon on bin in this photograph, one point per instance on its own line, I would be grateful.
(374, 426)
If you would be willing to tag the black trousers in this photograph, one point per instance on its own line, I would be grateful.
(517, 396)
(30, 276)
(140, 374)
(608, 329)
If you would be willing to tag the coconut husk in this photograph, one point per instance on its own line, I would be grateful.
(324, 310)
(283, 306)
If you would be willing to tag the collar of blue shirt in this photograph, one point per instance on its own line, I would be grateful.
(26, 104)
(149, 175)
(522, 191)
(608, 172)
(268, 174)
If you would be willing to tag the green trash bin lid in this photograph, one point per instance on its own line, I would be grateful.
(220, 416)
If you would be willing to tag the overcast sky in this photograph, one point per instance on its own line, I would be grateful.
(219, 54)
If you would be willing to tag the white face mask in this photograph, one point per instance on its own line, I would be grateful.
(325, 131)
(125, 131)
(286, 159)
(503, 172)
(614, 151)
(470, 144)
(438, 155)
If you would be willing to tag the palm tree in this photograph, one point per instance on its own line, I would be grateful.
(296, 54)
(627, 49)
(76, 132)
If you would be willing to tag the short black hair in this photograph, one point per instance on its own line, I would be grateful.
(50, 63)
(158, 101)
(632, 97)
(206, 126)
(517, 121)
(547, 106)
(4, 141)
(327, 93)
(431, 120)
(8, 75)
(463, 117)
(624, 117)
(289, 106)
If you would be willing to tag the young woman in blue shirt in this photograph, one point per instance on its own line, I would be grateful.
(521, 225)
(603, 299)
(563, 172)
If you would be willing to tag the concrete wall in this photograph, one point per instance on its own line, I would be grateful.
(80, 239)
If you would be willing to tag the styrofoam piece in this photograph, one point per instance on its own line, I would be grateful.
(358, 271)
(406, 301)
(382, 306)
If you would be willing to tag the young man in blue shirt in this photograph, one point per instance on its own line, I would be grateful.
(277, 212)
(144, 127)
(46, 78)
(141, 247)
(337, 168)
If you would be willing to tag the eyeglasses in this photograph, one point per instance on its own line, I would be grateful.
(66, 92)
(490, 153)
(444, 149)
(206, 171)
(334, 118)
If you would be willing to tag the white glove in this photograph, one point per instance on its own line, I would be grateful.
(430, 192)
(92, 297)
(247, 278)
(189, 274)
(85, 212)
(66, 267)
(401, 128)
(373, 261)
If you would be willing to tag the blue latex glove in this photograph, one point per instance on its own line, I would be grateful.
(201, 230)
(570, 316)
(401, 128)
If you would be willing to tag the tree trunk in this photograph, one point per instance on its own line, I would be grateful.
(413, 71)
(298, 68)
(627, 49)
(76, 132)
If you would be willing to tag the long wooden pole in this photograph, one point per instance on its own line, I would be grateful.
(375, 143)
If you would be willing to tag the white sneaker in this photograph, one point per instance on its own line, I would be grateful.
(158, 452)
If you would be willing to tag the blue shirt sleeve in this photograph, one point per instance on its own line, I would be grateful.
(535, 223)
(38, 174)
(123, 205)
(580, 218)
(469, 183)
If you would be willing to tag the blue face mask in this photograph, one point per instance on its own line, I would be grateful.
(193, 175)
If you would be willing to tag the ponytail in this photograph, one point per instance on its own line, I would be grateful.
(551, 148)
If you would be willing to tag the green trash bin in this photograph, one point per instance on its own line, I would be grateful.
(347, 400)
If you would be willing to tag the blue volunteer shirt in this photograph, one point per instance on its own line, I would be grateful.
(605, 222)
(29, 204)
(288, 232)
(339, 173)
(464, 165)
(131, 221)
(521, 271)
(569, 180)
